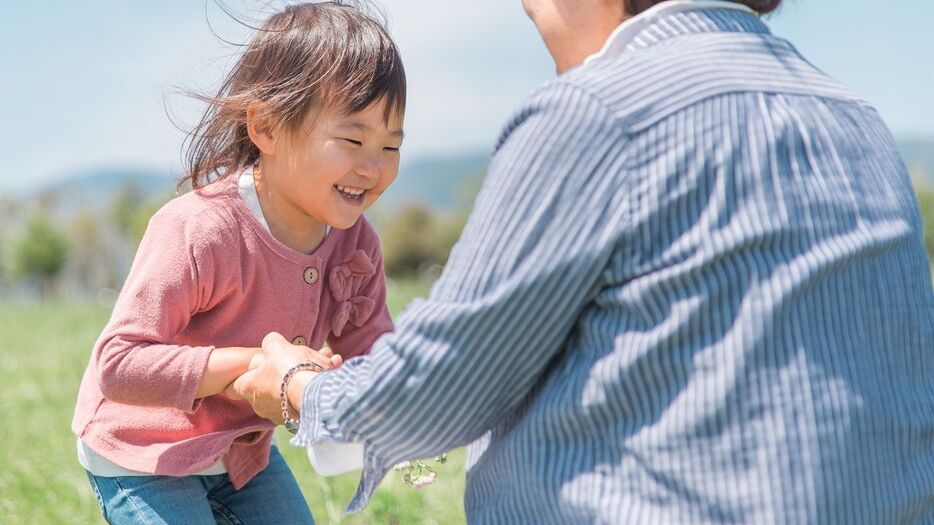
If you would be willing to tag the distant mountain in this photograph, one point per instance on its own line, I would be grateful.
(147, 181)
(94, 189)
(442, 181)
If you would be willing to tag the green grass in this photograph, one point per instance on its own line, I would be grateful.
(46, 347)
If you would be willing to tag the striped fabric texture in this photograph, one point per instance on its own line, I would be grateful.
(693, 290)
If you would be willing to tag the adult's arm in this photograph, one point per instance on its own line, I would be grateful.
(528, 261)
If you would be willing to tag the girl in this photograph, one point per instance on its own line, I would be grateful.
(302, 137)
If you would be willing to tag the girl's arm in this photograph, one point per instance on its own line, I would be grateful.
(136, 360)
(223, 367)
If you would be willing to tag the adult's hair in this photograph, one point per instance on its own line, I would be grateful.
(310, 56)
(635, 7)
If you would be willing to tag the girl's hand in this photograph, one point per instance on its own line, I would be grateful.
(262, 383)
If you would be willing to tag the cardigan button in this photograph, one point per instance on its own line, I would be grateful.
(299, 340)
(311, 275)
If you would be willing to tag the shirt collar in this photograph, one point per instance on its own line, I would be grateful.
(624, 34)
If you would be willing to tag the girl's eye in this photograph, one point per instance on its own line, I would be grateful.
(354, 142)
(394, 150)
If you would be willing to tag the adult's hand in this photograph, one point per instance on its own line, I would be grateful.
(261, 385)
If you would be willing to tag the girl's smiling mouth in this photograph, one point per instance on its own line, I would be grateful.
(353, 195)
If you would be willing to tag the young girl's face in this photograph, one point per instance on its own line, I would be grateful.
(336, 165)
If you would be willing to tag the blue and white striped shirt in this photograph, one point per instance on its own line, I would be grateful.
(693, 290)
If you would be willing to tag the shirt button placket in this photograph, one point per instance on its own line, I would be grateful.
(311, 277)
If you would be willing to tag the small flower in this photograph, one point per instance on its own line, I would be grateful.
(424, 480)
(418, 473)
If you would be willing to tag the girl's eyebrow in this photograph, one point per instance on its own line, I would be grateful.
(360, 126)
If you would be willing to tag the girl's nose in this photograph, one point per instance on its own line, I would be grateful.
(368, 167)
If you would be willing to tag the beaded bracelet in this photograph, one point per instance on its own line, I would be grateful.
(292, 424)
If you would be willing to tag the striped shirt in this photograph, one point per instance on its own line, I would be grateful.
(693, 290)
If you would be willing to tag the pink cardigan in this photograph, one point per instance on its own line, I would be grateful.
(208, 274)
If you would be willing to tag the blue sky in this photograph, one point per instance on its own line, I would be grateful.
(87, 84)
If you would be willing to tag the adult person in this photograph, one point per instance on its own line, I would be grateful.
(692, 290)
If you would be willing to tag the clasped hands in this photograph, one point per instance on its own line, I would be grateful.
(261, 384)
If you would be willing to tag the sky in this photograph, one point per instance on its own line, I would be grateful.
(91, 84)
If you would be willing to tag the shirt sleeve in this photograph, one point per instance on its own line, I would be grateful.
(528, 261)
(136, 360)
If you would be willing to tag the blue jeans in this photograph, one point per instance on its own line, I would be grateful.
(272, 497)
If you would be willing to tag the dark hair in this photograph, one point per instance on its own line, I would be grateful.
(313, 55)
(634, 7)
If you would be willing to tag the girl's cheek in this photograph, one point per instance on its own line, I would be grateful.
(337, 155)
(390, 171)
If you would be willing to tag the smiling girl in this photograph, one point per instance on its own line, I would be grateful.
(302, 137)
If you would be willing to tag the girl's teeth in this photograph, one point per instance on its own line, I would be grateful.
(348, 191)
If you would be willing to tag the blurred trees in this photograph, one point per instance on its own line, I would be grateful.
(3, 263)
(926, 200)
(416, 241)
(90, 250)
(82, 250)
(39, 253)
(92, 263)
(130, 213)
(447, 233)
(406, 241)
(87, 250)
(7, 216)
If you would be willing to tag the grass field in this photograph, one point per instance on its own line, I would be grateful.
(47, 346)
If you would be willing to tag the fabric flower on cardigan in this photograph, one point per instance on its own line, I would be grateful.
(345, 282)
(356, 310)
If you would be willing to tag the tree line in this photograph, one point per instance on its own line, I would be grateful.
(91, 252)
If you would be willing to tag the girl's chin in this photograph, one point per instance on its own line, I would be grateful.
(344, 222)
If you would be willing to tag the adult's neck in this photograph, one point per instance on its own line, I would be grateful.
(575, 29)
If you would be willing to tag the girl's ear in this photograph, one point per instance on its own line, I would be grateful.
(260, 127)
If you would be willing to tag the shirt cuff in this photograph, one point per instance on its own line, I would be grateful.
(198, 357)
(317, 423)
(317, 410)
